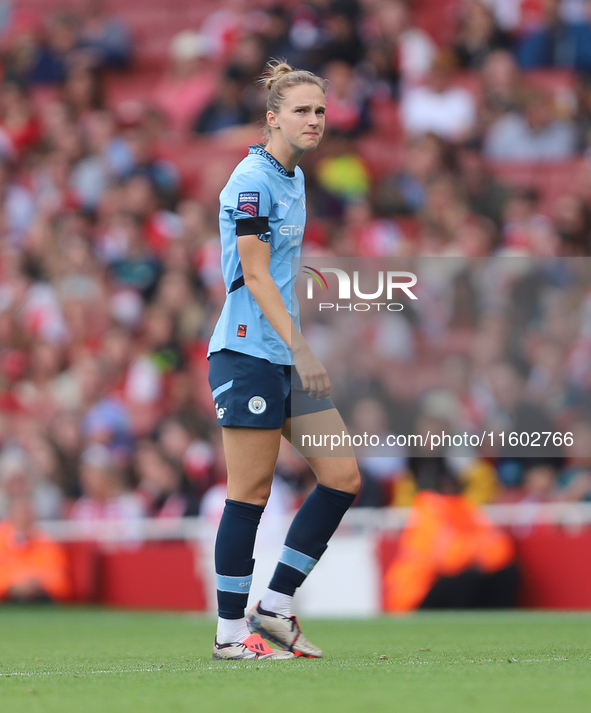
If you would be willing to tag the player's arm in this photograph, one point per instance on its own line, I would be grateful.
(255, 257)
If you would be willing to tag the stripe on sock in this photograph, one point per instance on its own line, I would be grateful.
(298, 560)
(238, 585)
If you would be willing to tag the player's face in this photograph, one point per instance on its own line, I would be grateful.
(301, 117)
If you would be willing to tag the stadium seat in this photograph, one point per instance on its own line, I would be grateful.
(552, 80)
(552, 179)
(385, 118)
(126, 86)
(436, 17)
(381, 157)
(204, 164)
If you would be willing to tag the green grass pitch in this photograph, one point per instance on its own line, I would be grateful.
(96, 661)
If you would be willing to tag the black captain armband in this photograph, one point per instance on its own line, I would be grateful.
(252, 226)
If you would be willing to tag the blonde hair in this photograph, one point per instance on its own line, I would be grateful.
(278, 77)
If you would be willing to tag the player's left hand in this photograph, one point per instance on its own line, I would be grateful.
(312, 373)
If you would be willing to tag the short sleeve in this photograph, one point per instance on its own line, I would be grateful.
(248, 202)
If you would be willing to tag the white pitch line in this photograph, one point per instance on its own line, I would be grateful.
(234, 666)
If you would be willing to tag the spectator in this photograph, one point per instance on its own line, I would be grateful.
(439, 106)
(377, 473)
(152, 182)
(502, 87)
(451, 556)
(368, 234)
(341, 174)
(511, 406)
(478, 35)
(105, 497)
(190, 83)
(159, 483)
(425, 158)
(534, 135)
(17, 204)
(57, 52)
(485, 195)
(19, 477)
(18, 119)
(556, 43)
(81, 92)
(339, 39)
(583, 114)
(33, 568)
(572, 220)
(277, 37)
(66, 439)
(105, 39)
(346, 107)
(445, 208)
(539, 481)
(525, 228)
(228, 107)
(21, 44)
(574, 478)
(508, 13)
(408, 49)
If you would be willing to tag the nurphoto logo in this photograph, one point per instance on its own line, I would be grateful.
(393, 280)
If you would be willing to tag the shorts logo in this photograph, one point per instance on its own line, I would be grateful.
(241, 330)
(257, 405)
(220, 411)
(249, 203)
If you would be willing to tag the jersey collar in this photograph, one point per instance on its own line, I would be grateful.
(260, 150)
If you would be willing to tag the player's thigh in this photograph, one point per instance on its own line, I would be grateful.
(249, 396)
(251, 455)
(333, 465)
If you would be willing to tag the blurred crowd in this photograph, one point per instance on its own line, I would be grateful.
(494, 347)
(110, 281)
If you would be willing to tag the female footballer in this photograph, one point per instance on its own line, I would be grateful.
(254, 345)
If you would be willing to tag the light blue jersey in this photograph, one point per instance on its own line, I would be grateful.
(261, 198)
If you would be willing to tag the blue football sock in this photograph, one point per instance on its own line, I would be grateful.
(308, 536)
(234, 564)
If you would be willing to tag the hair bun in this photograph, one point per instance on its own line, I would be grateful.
(276, 71)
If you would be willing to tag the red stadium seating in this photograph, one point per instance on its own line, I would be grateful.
(380, 156)
(552, 179)
(437, 17)
(385, 118)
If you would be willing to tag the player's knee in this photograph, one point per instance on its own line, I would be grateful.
(260, 500)
(256, 493)
(260, 494)
(347, 478)
(351, 480)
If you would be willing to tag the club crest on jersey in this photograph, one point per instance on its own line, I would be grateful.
(249, 203)
(257, 404)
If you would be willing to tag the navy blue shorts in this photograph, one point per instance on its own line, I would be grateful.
(253, 393)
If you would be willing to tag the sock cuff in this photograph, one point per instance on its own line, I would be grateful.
(236, 585)
(244, 511)
(340, 498)
(298, 560)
